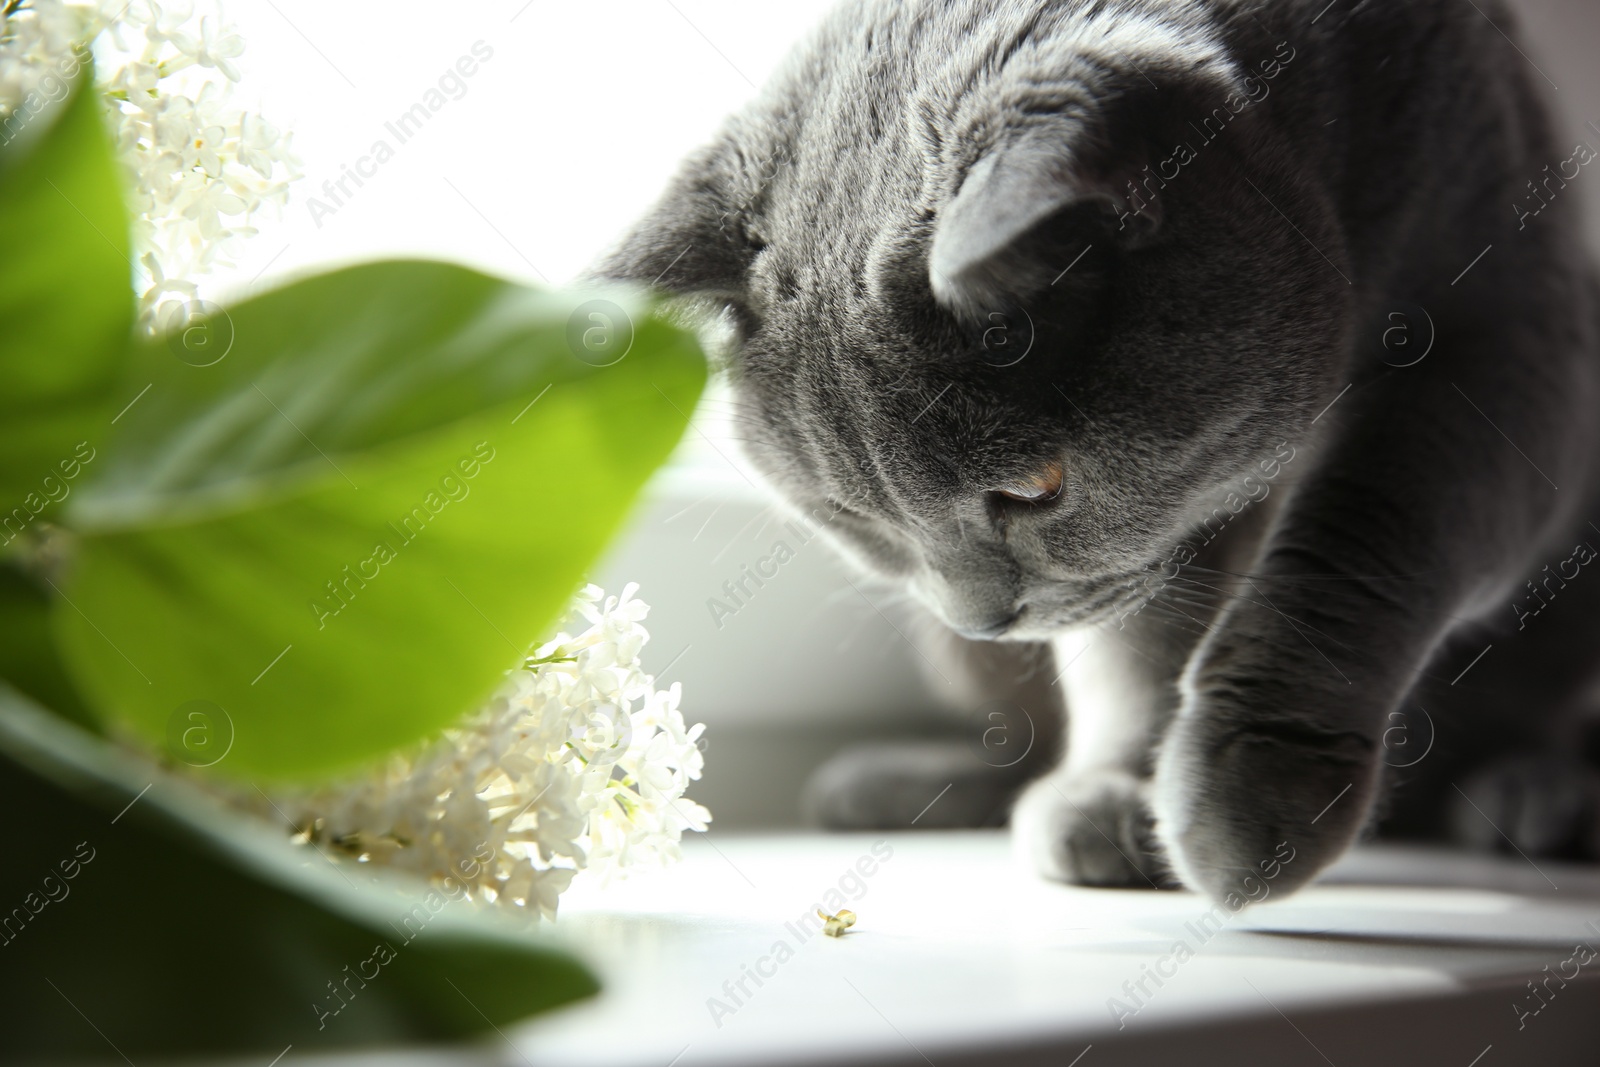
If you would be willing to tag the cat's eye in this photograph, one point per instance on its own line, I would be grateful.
(1041, 487)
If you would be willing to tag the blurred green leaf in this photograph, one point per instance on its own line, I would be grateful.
(66, 307)
(186, 929)
(384, 485)
(29, 658)
(66, 300)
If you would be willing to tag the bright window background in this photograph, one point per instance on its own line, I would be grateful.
(561, 139)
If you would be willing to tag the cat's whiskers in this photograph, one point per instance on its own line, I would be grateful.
(1263, 602)
(1157, 606)
(1287, 645)
(1176, 621)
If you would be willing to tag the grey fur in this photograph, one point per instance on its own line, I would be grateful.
(890, 226)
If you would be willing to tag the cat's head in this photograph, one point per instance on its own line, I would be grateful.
(1013, 381)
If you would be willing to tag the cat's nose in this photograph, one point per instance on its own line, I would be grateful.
(989, 632)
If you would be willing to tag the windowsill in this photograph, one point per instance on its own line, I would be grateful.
(1402, 956)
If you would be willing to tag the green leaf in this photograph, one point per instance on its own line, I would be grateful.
(184, 929)
(29, 658)
(66, 301)
(344, 530)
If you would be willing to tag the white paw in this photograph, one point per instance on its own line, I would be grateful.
(1093, 829)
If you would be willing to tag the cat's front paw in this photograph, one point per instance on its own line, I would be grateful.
(1093, 829)
(1250, 805)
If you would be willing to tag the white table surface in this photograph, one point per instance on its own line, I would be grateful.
(1398, 956)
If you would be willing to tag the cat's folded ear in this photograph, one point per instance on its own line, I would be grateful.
(690, 242)
(1024, 213)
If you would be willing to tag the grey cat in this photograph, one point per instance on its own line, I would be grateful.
(1243, 351)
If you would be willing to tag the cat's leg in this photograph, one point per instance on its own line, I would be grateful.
(1010, 730)
(1418, 514)
(904, 784)
(1089, 820)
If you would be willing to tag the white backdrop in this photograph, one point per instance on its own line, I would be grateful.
(561, 138)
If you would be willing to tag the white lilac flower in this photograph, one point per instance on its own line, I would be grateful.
(198, 167)
(578, 763)
(36, 46)
(217, 47)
